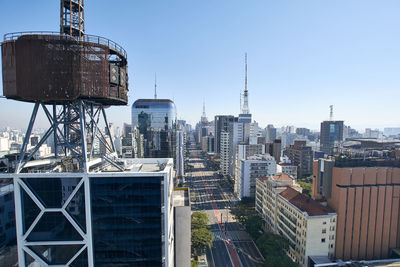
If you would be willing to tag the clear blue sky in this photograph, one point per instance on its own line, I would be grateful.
(303, 56)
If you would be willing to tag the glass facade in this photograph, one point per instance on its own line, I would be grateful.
(156, 121)
(54, 196)
(161, 113)
(127, 221)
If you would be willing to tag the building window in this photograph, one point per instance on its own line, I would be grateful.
(322, 240)
(331, 245)
(324, 231)
(323, 222)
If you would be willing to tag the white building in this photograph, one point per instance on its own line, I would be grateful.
(287, 168)
(243, 151)
(251, 168)
(4, 144)
(308, 226)
(180, 154)
(225, 153)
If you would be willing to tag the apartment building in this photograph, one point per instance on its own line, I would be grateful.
(307, 225)
(301, 155)
(224, 152)
(249, 170)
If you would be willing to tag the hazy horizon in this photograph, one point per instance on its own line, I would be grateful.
(302, 57)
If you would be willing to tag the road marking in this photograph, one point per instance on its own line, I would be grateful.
(234, 257)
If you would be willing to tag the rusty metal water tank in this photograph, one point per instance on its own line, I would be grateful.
(54, 68)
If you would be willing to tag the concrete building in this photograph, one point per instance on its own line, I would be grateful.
(249, 170)
(301, 155)
(369, 133)
(101, 217)
(288, 139)
(287, 168)
(365, 194)
(331, 136)
(274, 149)
(7, 215)
(244, 151)
(270, 133)
(222, 124)
(306, 224)
(182, 224)
(225, 148)
(180, 154)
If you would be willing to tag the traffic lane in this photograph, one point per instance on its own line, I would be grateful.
(220, 255)
(248, 253)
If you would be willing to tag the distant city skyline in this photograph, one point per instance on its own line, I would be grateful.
(302, 57)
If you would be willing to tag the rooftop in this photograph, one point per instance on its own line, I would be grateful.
(181, 197)
(347, 162)
(282, 177)
(305, 203)
(152, 100)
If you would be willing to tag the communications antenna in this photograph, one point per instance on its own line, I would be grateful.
(245, 109)
(331, 113)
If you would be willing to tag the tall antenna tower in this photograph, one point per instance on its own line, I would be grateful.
(204, 116)
(72, 18)
(245, 109)
(331, 113)
(155, 86)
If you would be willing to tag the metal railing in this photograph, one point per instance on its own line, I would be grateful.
(85, 38)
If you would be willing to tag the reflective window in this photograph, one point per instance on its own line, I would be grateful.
(52, 192)
(81, 260)
(53, 226)
(30, 210)
(56, 254)
(126, 221)
(76, 208)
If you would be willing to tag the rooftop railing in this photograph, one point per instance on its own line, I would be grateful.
(85, 38)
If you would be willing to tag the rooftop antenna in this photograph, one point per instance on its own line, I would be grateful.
(245, 109)
(331, 113)
(155, 85)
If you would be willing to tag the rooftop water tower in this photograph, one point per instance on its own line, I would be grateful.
(72, 76)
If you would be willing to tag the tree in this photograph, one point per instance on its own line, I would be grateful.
(273, 248)
(194, 263)
(307, 188)
(202, 238)
(199, 220)
(243, 212)
(253, 226)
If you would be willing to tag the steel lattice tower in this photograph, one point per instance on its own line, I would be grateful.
(72, 18)
(245, 108)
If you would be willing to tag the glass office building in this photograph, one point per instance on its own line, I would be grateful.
(159, 114)
(102, 218)
(155, 120)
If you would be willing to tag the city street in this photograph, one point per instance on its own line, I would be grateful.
(213, 195)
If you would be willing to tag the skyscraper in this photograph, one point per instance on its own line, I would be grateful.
(156, 122)
(222, 124)
(331, 135)
(98, 218)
